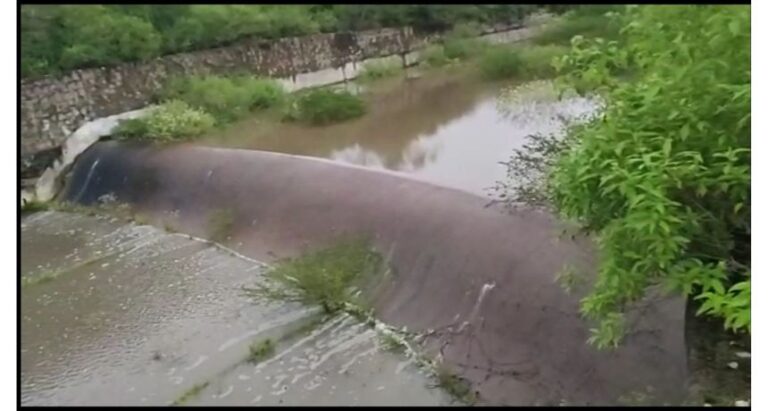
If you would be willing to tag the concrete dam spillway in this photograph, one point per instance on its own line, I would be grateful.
(479, 281)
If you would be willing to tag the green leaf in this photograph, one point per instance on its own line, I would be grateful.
(667, 147)
(685, 131)
(733, 26)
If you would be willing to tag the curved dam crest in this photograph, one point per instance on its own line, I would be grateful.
(481, 282)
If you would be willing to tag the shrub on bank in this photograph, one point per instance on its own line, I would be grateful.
(525, 62)
(324, 106)
(462, 42)
(434, 56)
(588, 22)
(662, 178)
(500, 63)
(462, 48)
(375, 71)
(226, 98)
(261, 93)
(169, 121)
(537, 61)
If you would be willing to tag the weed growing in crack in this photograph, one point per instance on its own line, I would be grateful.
(261, 350)
(326, 277)
(220, 224)
(454, 385)
(190, 393)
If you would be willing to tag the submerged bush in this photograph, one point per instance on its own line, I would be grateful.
(325, 106)
(226, 98)
(169, 121)
(538, 61)
(527, 62)
(434, 56)
(375, 71)
(501, 62)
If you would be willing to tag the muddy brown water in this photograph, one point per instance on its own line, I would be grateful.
(449, 128)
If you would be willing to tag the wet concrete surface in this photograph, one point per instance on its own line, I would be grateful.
(138, 316)
(339, 362)
(482, 280)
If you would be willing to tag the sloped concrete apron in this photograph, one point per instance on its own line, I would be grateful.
(135, 315)
(480, 282)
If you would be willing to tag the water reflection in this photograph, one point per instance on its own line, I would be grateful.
(446, 129)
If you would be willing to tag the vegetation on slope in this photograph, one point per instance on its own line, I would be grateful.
(169, 121)
(327, 277)
(662, 177)
(56, 38)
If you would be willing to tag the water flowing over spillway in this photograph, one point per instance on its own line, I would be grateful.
(479, 281)
(138, 316)
(133, 314)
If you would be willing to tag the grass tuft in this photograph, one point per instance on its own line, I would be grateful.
(261, 350)
(326, 277)
(194, 391)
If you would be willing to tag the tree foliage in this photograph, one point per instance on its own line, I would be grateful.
(63, 37)
(662, 177)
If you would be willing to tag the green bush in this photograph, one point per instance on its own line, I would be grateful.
(375, 71)
(663, 177)
(213, 25)
(169, 121)
(98, 37)
(501, 62)
(461, 42)
(538, 61)
(465, 31)
(262, 93)
(434, 56)
(586, 21)
(529, 61)
(327, 277)
(33, 206)
(324, 106)
(226, 98)
(462, 49)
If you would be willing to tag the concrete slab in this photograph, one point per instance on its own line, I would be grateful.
(138, 316)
